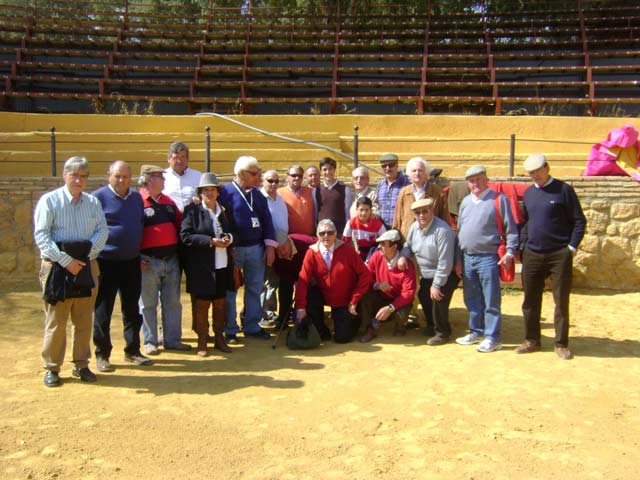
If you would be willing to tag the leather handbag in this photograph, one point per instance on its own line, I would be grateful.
(506, 274)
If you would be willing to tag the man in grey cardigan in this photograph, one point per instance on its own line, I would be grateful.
(479, 240)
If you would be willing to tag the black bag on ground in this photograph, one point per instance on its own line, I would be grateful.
(303, 336)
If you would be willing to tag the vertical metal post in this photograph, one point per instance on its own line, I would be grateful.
(207, 149)
(512, 154)
(53, 151)
(355, 147)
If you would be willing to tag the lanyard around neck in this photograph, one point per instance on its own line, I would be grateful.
(249, 204)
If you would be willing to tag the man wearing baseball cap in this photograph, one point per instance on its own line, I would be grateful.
(554, 227)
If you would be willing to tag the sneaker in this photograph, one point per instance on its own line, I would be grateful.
(469, 339)
(232, 339)
(528, 346)
(265, 323)
(178, 346)
(151, 350)
(84, 374)
(103, 365)
(488, 346)
(138, 359)
(563, 352)
(437, 340)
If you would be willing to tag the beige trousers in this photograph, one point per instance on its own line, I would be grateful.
(55, 324)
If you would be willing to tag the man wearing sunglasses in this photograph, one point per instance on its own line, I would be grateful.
(299, 202)
(340, 279)
(279, 216)
(255, 245)
(388, 189)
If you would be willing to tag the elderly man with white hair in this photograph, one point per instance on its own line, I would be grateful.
(419, 188)
(361, 188)
(255, 244)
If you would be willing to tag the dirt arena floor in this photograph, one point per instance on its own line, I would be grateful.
(393, 409)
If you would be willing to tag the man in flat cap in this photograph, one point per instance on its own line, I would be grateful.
(479, 239)
(393, 289)
(553, 230)
(388, 189)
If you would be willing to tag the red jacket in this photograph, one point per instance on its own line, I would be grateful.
(346, 283)
(404, 283)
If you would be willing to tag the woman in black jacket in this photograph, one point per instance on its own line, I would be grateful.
(208, 262)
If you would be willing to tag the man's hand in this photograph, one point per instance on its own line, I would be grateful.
(458, 268)
(284, 250)
(300, 314)
(435, 293)
(75, 266)
(144, 264)
(352, 309)
(402, 263)
(384, 313)
(382, 286)
(269, 255)
(506, 261)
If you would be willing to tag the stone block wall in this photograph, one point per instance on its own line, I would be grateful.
(609, 256)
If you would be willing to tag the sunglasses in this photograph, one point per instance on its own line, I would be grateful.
(326, 232)
(295, 175)
(273, 181)
(388, 165)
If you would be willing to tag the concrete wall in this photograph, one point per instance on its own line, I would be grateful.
(451, 142)
(609, 256)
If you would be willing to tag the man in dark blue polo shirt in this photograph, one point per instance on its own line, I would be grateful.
(553, 230)
(119, 268)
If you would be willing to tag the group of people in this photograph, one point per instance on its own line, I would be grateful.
(369, 254)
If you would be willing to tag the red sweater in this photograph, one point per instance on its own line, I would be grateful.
(346, 283)
(403, 283)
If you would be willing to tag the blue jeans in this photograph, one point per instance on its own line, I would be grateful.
(251, 261)
(481, 288)
(161, 279)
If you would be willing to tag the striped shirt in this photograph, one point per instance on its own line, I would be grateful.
(57, 219)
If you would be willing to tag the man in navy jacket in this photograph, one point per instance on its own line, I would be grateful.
(553, 230)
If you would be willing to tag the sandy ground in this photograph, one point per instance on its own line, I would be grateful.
(394, 409)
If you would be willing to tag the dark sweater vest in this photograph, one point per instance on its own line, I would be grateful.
(331, 205)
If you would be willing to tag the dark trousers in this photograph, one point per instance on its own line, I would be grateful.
(345, 325)
(285, 297)
(121, 276)
(535, 268)
(437, 312)
(374, 300)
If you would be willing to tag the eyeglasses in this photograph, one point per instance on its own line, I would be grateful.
(326, 232)
(253, 173)
(388, 165)
(273, 181)
(295, 175)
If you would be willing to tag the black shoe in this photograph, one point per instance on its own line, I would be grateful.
(52, 379)
(325, 336)
(84, 374)
(262, 334)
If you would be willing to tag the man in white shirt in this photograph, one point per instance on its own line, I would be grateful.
(180, 181)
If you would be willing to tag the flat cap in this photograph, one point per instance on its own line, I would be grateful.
(389, 235)
(423, 202)
(148, 169)
(389, 157)
(534, 162)
(475, 170)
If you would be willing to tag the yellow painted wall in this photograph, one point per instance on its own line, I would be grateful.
(450, 141)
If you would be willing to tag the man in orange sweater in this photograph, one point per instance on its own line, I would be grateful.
(299, 201)
(341, 279)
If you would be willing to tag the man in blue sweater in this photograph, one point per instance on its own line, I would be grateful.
(553, 230)
(119, 268)
(248, 211)
(479, 240)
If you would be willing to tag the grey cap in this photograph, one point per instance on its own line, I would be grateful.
(475, 170)
(208, 179)
(389, 157)
(534, 162)
(390, 236)
(149, 169)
